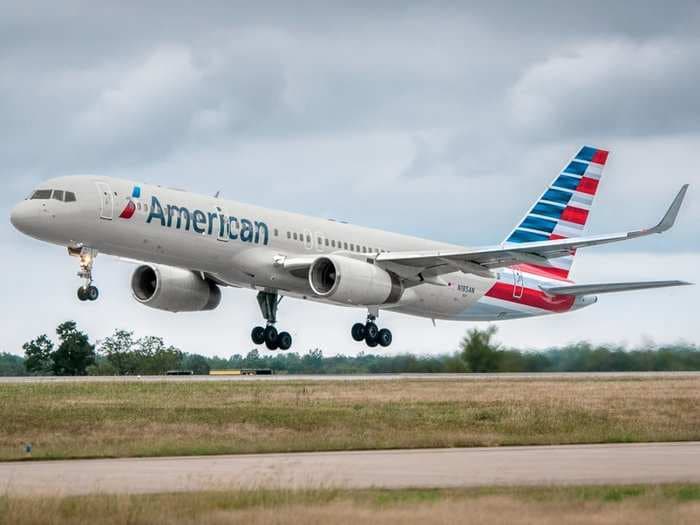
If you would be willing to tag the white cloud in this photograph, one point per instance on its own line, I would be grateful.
(618, 86)
(149, 91)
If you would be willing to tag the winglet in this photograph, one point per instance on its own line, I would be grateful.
(670, 218)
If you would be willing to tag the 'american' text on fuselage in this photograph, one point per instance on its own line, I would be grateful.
(201, 222)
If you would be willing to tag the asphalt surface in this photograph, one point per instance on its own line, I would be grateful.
(355, 377)
(466, 467)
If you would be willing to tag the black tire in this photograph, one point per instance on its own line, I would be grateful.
(371, 343)
(271, 336)
(371, 331)
(258, 335)
(358, 332)
(93, 293)
(384, 337)
(82, 294)
(284, 341)
(271, 345)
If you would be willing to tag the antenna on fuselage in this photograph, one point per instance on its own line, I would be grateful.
(217, 194)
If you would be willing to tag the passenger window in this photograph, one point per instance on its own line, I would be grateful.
(41, 195)
(364, 249)
(326, 242)
(70, 196)
(277, 233)
(308, 238)
(352, 247)
(289, 235)
(295, 236)
(333, 243)
(345, 245)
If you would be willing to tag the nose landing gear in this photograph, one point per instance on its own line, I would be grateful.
(268, 335)
(87, 292)
(371, 334)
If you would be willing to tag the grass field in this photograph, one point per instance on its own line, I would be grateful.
(69, 420)
(601, 505)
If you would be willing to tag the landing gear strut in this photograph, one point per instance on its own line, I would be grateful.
(370, 333)
(268, 335)
(87, 292)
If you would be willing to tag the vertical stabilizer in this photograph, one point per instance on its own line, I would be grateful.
(562, 211)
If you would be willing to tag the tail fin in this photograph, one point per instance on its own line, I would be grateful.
(562, 211)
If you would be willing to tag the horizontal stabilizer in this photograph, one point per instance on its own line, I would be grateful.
(590, 289)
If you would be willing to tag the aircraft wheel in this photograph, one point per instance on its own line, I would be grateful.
(93, 293)
(284, 341)
(371, 331)
(258, 335)
(82, 294)
(371, 343)
(384, 337)
(358, 332)
(271, 336)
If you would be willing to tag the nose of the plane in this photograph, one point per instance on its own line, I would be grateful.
(21, 217)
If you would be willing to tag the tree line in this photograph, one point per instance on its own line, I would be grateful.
(123, 353)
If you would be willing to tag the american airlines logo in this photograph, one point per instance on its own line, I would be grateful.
(208, 223)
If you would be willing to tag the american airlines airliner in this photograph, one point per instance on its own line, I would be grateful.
(187, 247)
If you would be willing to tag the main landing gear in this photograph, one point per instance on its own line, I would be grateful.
(370, 333)
(269, 335)
(87, 292)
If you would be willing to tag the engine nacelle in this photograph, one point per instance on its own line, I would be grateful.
(346, 280)
(174, 289)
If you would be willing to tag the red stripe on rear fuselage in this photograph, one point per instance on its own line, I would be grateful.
(533, 298)
(560, 274)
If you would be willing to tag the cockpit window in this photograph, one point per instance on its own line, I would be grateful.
(58, 195)
(41, 194)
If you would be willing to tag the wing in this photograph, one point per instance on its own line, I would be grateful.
(589, 289)
(480, 261)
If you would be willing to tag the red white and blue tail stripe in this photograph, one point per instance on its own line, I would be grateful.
(562, 211)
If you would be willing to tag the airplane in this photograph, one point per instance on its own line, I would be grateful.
(188, 247)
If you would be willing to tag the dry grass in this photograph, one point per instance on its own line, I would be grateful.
(65, 420)
(598, 505)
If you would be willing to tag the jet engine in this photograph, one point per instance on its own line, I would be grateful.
(352, 281)
(174, 289)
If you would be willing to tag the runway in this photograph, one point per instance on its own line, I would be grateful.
(354, 377)
(465, 467)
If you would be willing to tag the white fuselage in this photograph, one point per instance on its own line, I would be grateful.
(239, 244)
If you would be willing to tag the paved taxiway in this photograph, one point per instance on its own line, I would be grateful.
(465, 467)
(354, 377)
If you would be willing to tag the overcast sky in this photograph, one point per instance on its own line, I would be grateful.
(440, 120)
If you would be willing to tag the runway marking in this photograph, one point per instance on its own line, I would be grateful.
(393, 469)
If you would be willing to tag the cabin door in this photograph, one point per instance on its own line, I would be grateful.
(106, 201)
